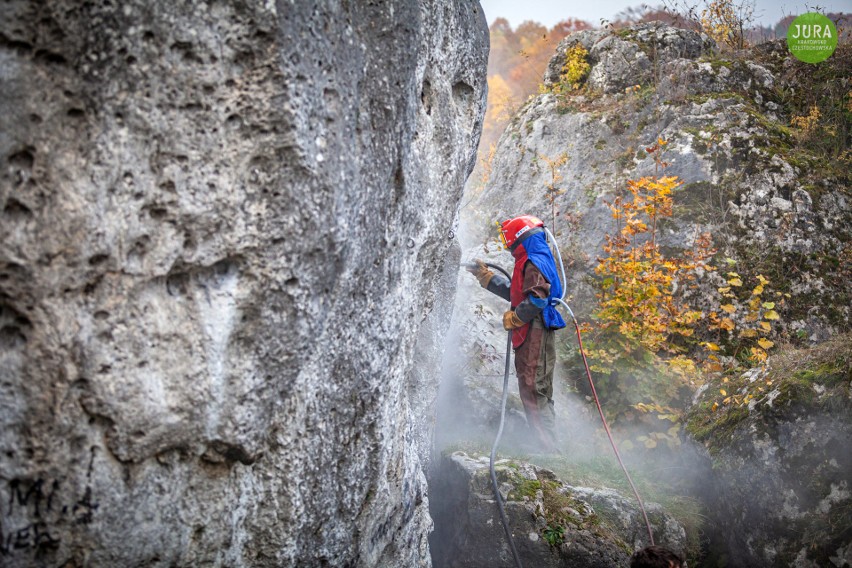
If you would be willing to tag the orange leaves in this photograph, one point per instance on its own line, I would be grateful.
(638, 281)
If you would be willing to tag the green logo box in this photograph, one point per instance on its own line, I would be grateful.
(812, 37)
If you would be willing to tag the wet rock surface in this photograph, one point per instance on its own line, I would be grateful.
(223, 224)
(601, 528)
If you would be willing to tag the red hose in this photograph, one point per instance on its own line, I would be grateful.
(609, 434)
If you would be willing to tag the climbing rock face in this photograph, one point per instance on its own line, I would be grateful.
(630, 56)
(776, 206)
(766, 201)
(600, 529)
(222, 224)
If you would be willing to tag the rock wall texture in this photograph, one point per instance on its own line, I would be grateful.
(775, 198)
(222, 223)
(782, 470)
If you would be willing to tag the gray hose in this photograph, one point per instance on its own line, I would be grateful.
(497, 496)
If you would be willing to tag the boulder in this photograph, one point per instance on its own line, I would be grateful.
(766, 197)
(782, 471)
(552, 523)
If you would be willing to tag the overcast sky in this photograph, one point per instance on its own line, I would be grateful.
(549, 12)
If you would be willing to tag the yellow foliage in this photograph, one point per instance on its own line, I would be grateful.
(809, 123)
(812, 124)
(758, 355)
(576, 66)
(501, 103)
(722, 21)
(638, 280)
(748, 314)
(552, 189)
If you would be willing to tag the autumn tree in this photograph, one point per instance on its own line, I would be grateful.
(641, 323)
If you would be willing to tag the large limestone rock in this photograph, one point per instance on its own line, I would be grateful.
(775, 205)
(767, 199)
(221, 227)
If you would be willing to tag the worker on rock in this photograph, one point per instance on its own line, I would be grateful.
(533, 293)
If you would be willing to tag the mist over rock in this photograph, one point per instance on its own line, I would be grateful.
(223, 225)
(780, 493)
(603, 528)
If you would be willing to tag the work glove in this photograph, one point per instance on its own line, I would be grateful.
(482, 273)
(512, 321)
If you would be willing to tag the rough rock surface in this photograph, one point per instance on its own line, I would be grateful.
(601, 528)
(781, 490)
(628, 57)
(774, 206)
(222, 224)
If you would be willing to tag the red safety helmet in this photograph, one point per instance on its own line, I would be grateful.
(513, 229)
